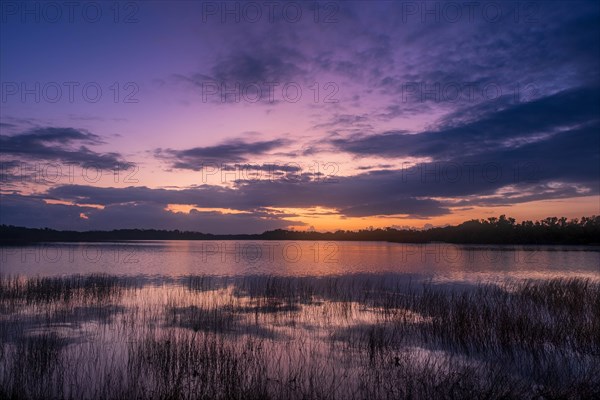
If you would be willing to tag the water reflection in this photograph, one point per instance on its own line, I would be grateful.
(296, 337)
(289, 258)
(298, 320)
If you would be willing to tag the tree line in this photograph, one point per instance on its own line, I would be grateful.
(494, 230)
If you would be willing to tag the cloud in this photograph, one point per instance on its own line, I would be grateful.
(254, 73)
(345, 121)
(32, 211)
(411, 207)
(546, 149)
(263, 64)
(67, 145)
(543, 149)
(508, 128)
(364, 195)
(520, 147)
(232, 151)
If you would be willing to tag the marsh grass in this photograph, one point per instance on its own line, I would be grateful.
(262, 337)
(38, 290)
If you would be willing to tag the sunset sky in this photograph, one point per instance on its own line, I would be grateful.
(235, 117)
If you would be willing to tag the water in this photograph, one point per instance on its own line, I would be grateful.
(298, 320)
(302, 258)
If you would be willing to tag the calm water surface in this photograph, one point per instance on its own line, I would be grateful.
(302, 258)
(297, 320)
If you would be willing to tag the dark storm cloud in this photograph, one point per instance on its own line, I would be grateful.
(50, 135)
(379, 49)
(411, 191)
(349, 199)
(560, 155)
(345, 121)
(206, 196)
(513, 56)
(523, 193)
(522, 146)
(11, 174)
(34, 212)
(413, 208)
(551, 50)
(66, 145)
(414, 192)
(266, 64)
(509, 128)
(247, 170)
(232, 151)
(31, 211)
(254, 64)
(375, 193)
(543, 149)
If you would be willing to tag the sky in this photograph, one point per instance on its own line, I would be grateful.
(241, 117)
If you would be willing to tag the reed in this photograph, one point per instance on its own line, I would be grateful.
(265, 337)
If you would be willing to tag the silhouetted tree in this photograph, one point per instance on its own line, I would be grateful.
(493, 230)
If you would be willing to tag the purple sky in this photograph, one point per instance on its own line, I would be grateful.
(236, 117)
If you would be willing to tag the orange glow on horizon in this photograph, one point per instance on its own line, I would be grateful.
(326, 219)
(70, 203)
(187, 208)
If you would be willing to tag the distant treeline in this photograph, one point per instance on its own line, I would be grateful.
(501, 230)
